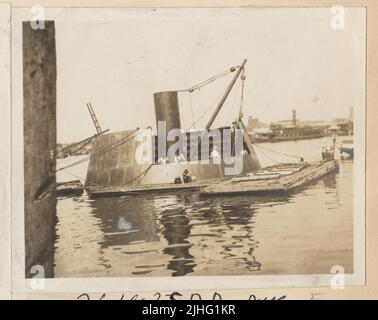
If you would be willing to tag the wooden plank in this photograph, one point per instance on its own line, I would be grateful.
(195, 185)
(281, 185)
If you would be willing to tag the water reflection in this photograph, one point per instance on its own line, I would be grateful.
(125, 220)
(177, 231)
(330, 181)
(184, 234)
(79, 237)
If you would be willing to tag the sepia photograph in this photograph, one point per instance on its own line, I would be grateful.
(204, 145)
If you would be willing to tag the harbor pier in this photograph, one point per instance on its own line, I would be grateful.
(39, 94)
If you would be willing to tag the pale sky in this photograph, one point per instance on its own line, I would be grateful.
(117, 59)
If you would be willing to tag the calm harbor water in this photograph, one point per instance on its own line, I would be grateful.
(183, 234)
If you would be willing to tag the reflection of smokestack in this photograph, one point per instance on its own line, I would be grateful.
(167, 109)
(294, 118)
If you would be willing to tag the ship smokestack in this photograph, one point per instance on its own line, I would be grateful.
(167, 109)
(294, 118)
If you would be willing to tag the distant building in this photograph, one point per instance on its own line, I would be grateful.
(254, 123)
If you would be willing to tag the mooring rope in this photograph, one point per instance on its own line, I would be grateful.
(270, 158)
(278, 152)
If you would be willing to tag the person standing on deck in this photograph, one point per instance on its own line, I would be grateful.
(215, 156)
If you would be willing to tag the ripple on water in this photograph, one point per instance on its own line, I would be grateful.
(183, 234)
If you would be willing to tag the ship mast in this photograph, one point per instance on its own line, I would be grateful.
(228, 90)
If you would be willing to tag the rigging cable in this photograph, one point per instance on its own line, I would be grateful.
(191, 105)
(85, 144)
(278, 152)
(202, 84)
(233, 102)
(104, 150)
(242, 95)
(142, 174)
(270, 158)
(73, 175)
(209, 80)
(206, 111)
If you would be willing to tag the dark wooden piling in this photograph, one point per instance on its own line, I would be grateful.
(39, 93)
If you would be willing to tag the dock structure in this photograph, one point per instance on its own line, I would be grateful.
(275, 180)
(39, 98)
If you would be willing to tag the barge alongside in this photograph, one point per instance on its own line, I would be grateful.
(276, 180)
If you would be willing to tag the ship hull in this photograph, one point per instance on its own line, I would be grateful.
(347, 147)
(286, 138)
(113, 168)
(347, 150)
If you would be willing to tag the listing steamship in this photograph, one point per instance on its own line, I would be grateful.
(113, 167)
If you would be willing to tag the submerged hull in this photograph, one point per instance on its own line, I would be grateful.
(113, 168)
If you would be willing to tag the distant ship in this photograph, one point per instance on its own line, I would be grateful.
(284, 131)
(347, 147)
